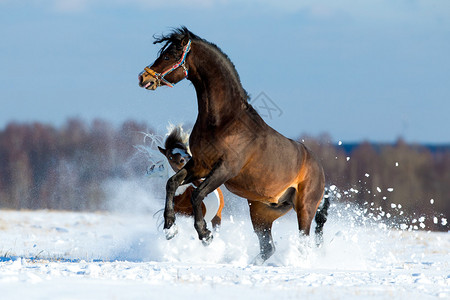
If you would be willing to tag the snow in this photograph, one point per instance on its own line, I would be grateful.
(123, 254)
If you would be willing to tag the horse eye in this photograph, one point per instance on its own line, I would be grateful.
(171, 157)
(166, 57)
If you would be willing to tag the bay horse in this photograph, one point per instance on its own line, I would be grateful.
(177, 153)
(232, 145)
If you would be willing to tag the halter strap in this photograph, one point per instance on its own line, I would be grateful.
(181, 63)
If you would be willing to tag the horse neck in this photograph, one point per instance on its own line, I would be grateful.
(219, 92)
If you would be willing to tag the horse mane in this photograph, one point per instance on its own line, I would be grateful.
(179, 34)
(177, 138)
(175, 37)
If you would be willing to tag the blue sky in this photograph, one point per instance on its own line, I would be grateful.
(359, 70)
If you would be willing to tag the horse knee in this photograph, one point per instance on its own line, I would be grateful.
(172, 184)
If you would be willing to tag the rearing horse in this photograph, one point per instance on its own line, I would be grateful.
(232, 145)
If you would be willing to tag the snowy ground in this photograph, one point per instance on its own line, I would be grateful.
(124, 255)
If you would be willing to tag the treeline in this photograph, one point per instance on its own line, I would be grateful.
(43, 167)
(404, 180)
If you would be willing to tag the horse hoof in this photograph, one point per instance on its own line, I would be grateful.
(207, 240)
(258, 260)
(171, 232)
(319, 240)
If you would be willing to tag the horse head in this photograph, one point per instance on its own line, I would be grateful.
(176, 148)
(170, 67)
(177, 157)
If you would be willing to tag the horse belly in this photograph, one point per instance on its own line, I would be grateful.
(261, 193)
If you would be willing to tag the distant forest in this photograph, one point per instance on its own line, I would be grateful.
(43, 167)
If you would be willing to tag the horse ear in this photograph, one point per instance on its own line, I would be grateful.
(186, 36)
(163, 151)
(185, 40)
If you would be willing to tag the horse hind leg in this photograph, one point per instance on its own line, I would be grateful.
(310, 192)
(217, 220)
(262, 216)
(321, 218)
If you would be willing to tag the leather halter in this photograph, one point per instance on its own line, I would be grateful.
(181, 63)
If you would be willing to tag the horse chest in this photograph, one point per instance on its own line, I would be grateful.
(206, 153)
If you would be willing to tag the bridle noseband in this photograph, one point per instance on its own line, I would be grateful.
(181, 63)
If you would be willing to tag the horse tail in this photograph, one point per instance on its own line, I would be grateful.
(321, 217)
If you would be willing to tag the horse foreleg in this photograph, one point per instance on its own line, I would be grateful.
(262, 216)
(215, 178)
(173, 183)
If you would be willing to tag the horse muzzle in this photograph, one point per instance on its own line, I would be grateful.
(148, 82)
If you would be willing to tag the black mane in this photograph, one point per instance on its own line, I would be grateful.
(179, 34)
(175, 37)
(175, 140)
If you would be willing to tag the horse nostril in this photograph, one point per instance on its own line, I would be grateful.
(140, 78)
(182, 161)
